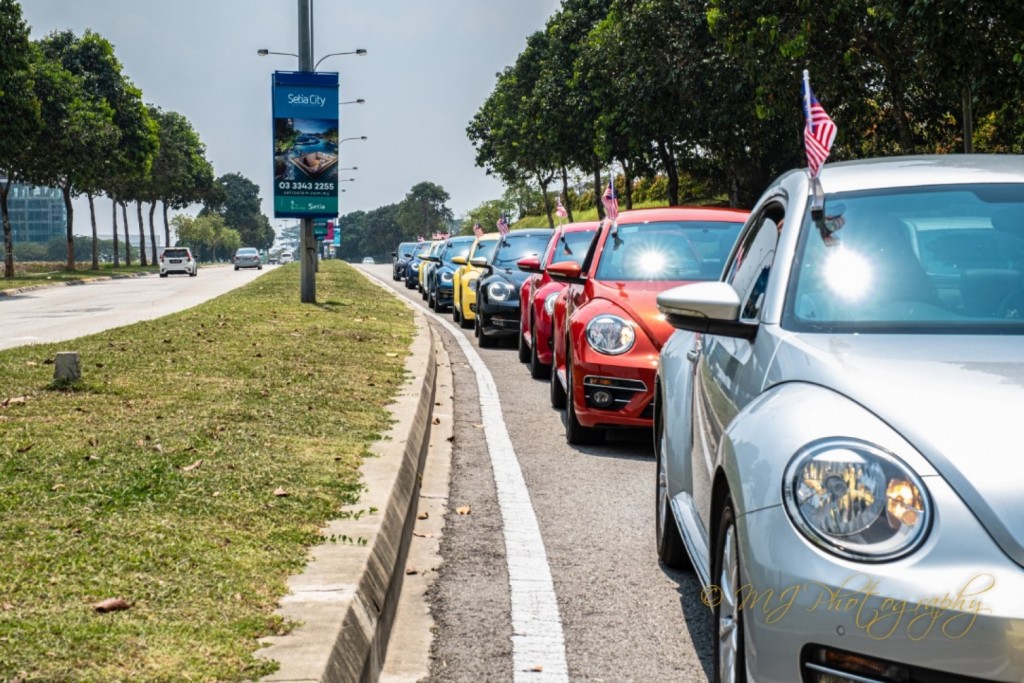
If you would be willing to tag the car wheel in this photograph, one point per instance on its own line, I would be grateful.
(557, 392)
(538, 370)
(524, 350)
(671, 551)
(259, 267)
(575, 433)
(482, 340)
(729, 663)
(163, 274)
(193, 273)
(236, 267)
(456, 313)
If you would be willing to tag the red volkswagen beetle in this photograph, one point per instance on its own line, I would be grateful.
(539, 291)
(607, 327)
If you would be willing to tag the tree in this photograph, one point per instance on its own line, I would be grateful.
(238, 201)
(423, 212)
(19, 110)
(181, 174)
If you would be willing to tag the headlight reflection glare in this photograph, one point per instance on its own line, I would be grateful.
(610, 334)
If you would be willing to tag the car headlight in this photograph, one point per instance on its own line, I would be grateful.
(610, 334)
(473, 284)
(499, 291)
(549, 303)
(446, 276)
(856, 500)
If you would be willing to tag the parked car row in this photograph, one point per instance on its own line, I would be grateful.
(832, 383)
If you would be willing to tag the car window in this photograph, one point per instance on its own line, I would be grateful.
(667, 250)
(513, 247)
(456, 248)
(926, 258)
(751, 265)
(176, 253)
(571, 246)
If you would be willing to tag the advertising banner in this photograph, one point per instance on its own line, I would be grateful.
(305, 138)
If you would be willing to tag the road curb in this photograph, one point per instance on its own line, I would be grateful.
(67, 283)
(346, 598)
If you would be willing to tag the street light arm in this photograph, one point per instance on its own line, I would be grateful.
(263, 52)
(359, 52)
(361, 137)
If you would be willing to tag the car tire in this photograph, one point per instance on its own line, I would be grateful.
(236, 267)
(556, 390)
(729, 660)
(575, 433)
(538, 370)
(463, 322)
(259, 267)
(482, 340)
(193, 273)
(671, 550)
(524, 350)
(163, 274)
(456, 313)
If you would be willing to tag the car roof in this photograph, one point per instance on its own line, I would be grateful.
(580, 227)
(682, 213)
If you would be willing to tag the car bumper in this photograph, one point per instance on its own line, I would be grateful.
(499, 319)
(444, 295)
(954, 606)
(629, 378)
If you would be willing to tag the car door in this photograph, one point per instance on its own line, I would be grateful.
(729, 371)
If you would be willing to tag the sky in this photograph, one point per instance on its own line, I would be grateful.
(430, 65)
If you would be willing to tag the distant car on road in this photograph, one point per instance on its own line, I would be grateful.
(286, 257)
(248, 257)
(177, 260)
(368, 261)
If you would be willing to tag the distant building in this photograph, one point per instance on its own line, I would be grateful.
(37, 213)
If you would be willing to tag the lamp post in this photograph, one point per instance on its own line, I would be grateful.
(358, 51)
(263, 52)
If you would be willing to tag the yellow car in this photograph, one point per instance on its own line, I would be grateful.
(421, 280)
(464, 296)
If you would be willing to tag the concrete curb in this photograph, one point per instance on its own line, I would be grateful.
(347, 596)
(67, 283)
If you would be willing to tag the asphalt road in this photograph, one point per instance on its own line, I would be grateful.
(623, 616)
(54, 314)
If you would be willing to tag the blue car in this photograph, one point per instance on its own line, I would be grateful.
(412, 266)
(440, 278)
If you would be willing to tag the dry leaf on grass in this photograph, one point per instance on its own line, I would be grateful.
(423, 515)
(280, 492)
(536, 669)
(464, 510)
(419, 535)
(24, 449)
(411, 570)
(194, 466)
(437, 420)
(111, 605)
(13, 400)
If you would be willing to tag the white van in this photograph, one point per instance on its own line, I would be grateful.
(286, 257)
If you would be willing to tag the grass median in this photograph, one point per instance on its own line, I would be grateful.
(187, 473)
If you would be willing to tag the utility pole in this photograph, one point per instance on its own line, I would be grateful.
(307, 246)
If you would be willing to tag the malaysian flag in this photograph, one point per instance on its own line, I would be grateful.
(477, 230)
(419, 238)
(611, 201)
(819, 132)
(560, 210)
(503, 226)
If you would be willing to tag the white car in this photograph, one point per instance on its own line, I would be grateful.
(177, 260)
(368, 261)
(286, 257)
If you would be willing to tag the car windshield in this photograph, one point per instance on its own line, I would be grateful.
(406, 249)
(455, 248)
(513, 247)
(946, 258)
(667, 250)
(422, 249)
(572, 246)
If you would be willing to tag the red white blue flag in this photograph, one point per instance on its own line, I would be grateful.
(477, 230)
(503, 226)
(611, 201)
(560, 210)
(819, 131)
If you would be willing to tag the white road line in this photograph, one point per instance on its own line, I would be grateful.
(538, 646)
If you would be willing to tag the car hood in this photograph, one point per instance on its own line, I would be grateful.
(639, 300)
(515, 277)
(956, 399)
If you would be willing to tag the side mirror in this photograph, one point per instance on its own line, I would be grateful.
(567, 271)
(481, 262)
(530, 264)
(706, 307)
(432, 259)
(459, 260)
(394, 254)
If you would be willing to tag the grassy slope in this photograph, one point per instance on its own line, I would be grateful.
(98, 500)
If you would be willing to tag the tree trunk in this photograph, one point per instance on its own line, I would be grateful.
(668, 160)
(142, 235)
(968, 120)
(95, 236)
(5, 188)
(117, 247)
(127, 241)
(544, 181)
(152, 233)
(167, 228)
(565, 193)
(597, 190)
(65, 190)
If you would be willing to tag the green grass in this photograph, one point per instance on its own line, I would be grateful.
(97, 500)
(46, 273)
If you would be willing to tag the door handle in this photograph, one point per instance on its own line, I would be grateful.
(692, 354)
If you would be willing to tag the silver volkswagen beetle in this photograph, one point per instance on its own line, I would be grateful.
(839, 427)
